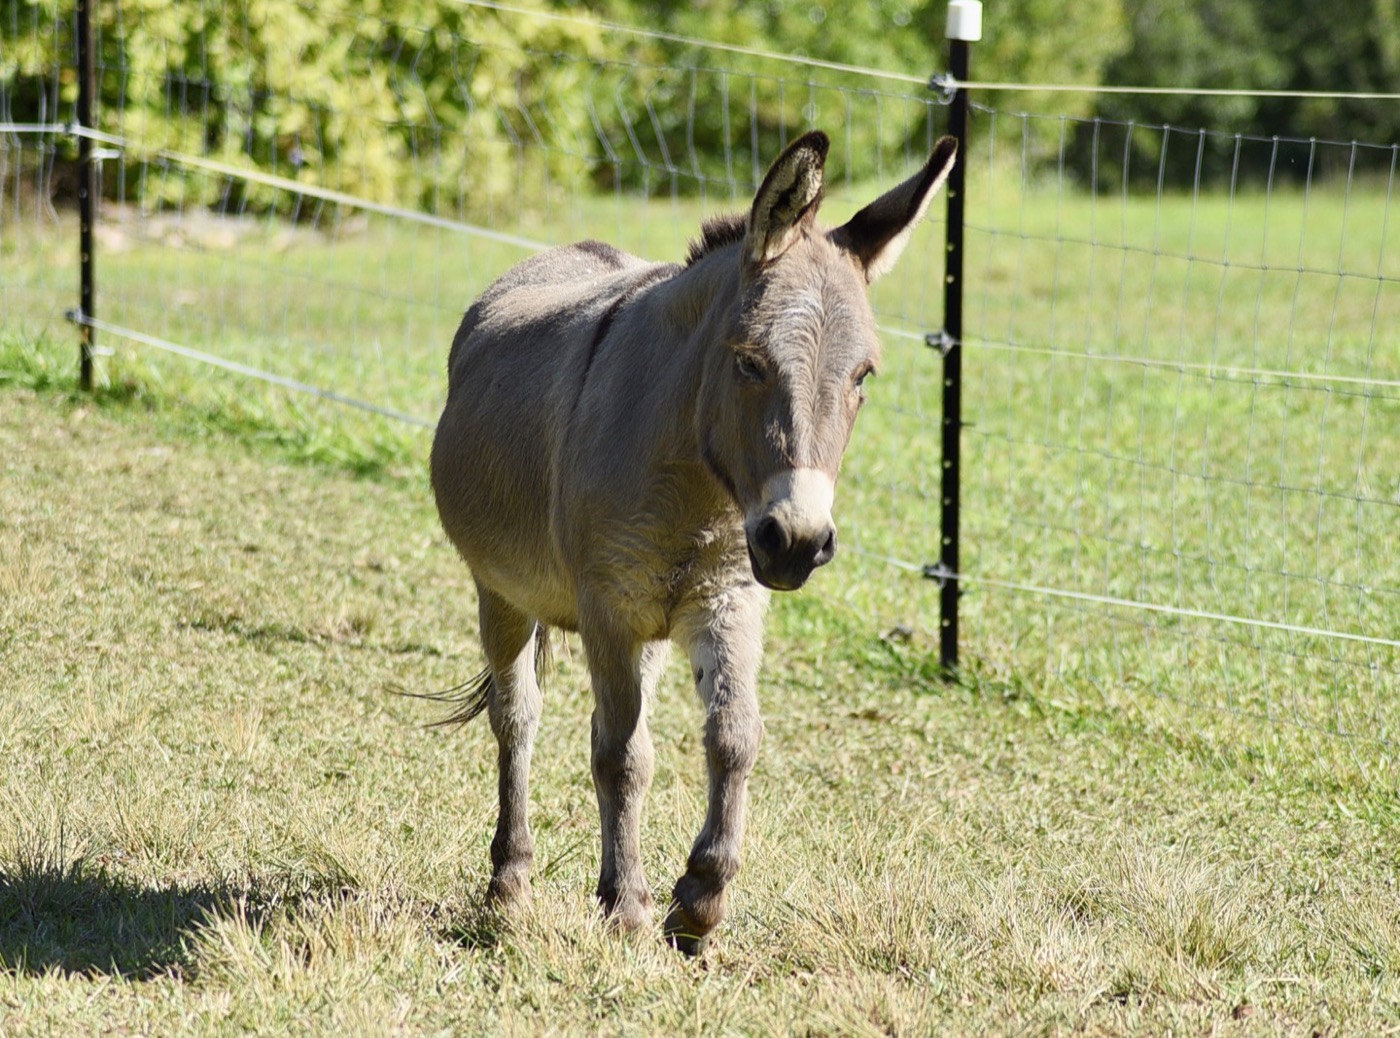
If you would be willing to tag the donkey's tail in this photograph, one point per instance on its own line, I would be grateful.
(468, 699)
(472, 696)
(544, 653)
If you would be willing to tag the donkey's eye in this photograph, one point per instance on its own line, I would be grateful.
(860, 378)
(750, 368)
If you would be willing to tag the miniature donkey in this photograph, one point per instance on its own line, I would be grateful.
(639, 452)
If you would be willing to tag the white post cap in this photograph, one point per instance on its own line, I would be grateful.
(965, 20)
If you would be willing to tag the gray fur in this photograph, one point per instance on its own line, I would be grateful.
(639, 452)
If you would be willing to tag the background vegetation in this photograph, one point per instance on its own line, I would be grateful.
(425, 103)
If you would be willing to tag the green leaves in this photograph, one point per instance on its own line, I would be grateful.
(424, 108)
(495, 115)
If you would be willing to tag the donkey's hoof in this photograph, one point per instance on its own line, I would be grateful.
(630, 918)
(628, 913)
(683, 933)
(508, 890)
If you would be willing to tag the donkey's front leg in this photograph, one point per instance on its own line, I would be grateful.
(624, 676)
(724, 657)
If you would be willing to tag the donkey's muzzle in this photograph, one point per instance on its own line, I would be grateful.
(782, 561)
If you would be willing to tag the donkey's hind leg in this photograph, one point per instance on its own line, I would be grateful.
(513, 705)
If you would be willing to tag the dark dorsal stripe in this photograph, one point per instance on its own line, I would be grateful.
(650, 276)
(614, 257)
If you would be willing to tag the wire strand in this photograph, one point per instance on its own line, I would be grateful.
(352, 201)
(1192, 614)
(35, 127)
(1225, 371)
(943, 81)
(970, 579)
(949, 83)
(323, 193)
(251, 372)
(694, 41)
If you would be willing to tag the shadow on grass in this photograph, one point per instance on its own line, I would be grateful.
(79, 920)
(480, 927)
(76, 919)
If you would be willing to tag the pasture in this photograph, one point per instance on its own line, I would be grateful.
(215, 818)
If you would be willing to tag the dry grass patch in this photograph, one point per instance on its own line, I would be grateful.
(214, 819)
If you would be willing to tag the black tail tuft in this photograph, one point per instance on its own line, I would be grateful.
(469, 698)
(472, 696)
(544, 653)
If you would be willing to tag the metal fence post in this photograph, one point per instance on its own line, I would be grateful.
(964, 27)
(87, 187)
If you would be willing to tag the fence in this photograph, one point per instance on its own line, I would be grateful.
(1177, 372)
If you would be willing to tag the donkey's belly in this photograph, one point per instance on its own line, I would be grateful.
(548, 600)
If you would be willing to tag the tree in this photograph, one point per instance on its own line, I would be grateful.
(1343, 46)
(429, 107)
(1213, 44)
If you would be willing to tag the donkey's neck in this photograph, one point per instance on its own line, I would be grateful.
(704, 296)
(698, 307)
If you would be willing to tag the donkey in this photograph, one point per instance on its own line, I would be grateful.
(640, 452)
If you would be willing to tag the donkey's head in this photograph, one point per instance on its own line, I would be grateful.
(783, 390)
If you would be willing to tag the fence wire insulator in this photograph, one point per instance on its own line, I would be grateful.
(938, 572)
(940, 341)
(944, 85)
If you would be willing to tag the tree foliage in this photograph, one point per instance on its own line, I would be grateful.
(341, 94)
(1347, 46)
(438, 103)
(705, 122)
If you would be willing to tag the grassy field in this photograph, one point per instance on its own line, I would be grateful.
(1186, 401)
(216, 820)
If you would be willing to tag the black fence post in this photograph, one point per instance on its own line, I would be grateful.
(87, 188)
(963, 28)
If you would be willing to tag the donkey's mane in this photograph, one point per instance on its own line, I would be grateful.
(716, 233)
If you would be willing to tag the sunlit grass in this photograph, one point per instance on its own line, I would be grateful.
(1166, 400)
(215, 819)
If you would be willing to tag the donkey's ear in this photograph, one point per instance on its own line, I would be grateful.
(787, 202)
(877, 234)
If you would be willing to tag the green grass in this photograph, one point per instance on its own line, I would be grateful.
(214, 819)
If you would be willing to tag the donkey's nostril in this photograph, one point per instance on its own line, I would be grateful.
(770, 537)
(827, 551)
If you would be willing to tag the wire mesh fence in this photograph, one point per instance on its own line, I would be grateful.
(1182, 382)
(336, 240)
(1182, 411)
